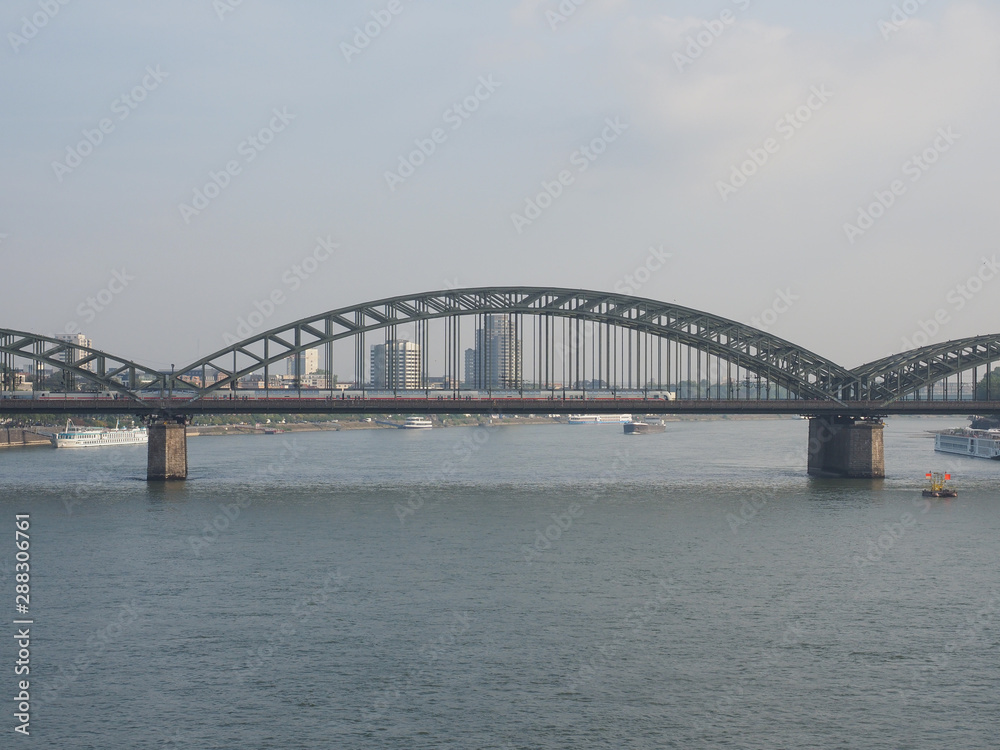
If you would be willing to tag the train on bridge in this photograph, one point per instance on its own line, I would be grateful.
(254, 394)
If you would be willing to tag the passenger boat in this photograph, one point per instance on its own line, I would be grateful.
(96, 437)
(417, 423)
(599, 418)
(937, 487)
(972, 443)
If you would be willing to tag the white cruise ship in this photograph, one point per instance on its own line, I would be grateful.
(94, 437)
(599, 418)
(417, 423)
(972, 443)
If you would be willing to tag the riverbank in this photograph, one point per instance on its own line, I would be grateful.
(16, 437)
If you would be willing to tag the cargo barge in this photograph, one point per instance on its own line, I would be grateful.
(643, 428)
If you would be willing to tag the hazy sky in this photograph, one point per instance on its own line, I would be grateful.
(742, 137)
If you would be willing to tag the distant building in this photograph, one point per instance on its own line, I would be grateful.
(76, 339)
(14, 380)
(395, 365)
(470, 369)
(495, 363)
(308, 363)
(194, 377)
(443, 383)
(315, 380)
(250, 382)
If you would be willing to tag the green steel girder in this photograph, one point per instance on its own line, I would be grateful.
(92, 365)
(781, 362)
(800, 371)
(900, 375)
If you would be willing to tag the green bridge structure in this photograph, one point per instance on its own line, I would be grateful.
(519, 350)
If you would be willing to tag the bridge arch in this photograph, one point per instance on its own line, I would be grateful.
(78, 363)
(905, 375)
(800, 372)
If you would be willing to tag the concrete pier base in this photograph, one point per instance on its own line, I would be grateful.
(166, 456)
(844, 447)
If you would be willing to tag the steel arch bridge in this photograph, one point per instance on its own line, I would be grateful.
(78, 364)
(609, 341)
(766, 356)
(903, 375)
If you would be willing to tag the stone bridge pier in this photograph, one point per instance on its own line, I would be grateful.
(166, 455)
(846, 446)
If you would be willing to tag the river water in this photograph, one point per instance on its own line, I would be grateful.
(507, 587)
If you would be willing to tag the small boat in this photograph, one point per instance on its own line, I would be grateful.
(639, 427)
(937, 487)
(417, 423)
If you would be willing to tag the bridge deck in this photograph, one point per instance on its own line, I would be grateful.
(182, 406)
